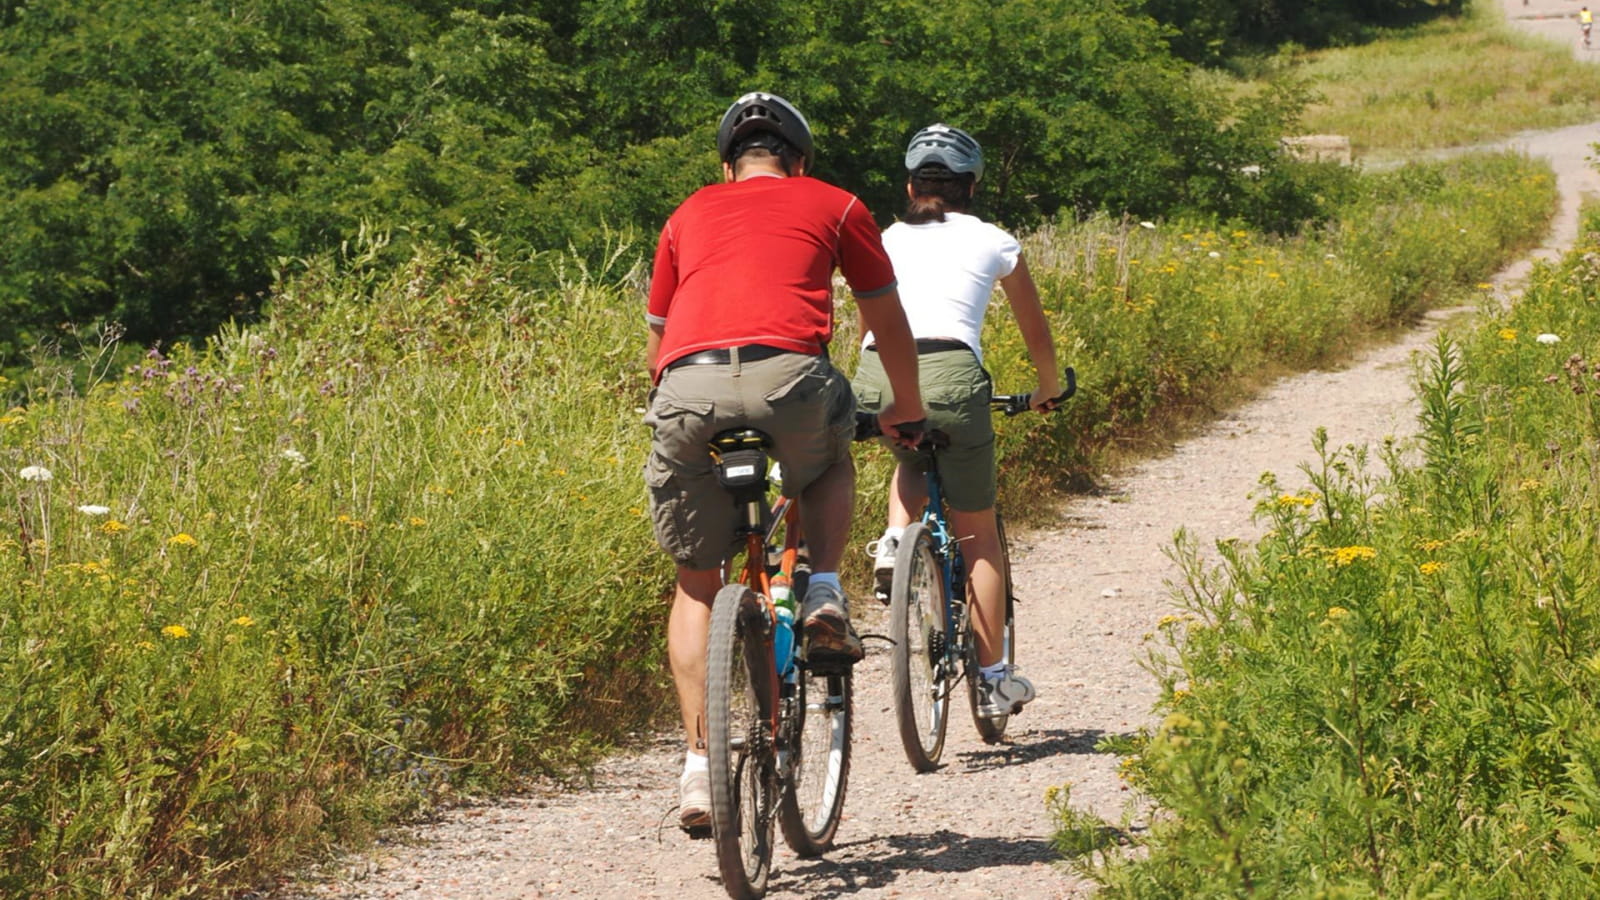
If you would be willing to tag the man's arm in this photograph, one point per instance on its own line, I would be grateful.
(652, 345)
(897, 350)
(1023, 296)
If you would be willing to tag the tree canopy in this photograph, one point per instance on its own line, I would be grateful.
(158, 159)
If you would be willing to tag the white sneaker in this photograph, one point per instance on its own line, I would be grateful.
(694, 801)
(1004, 696)
(883, 552)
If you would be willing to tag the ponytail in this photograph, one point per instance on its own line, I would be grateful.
(935, 190)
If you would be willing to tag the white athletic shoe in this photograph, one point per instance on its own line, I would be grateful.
(1004, 696)
(694, 801)
(883, 551)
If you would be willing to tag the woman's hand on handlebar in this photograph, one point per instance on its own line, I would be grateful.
(1048, 395)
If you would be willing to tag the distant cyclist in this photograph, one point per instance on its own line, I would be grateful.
(948, 262)
(1586, 22)
(740, 315)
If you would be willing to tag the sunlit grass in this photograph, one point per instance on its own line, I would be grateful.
(390, 543)
(1395, 690)
(1447, 84)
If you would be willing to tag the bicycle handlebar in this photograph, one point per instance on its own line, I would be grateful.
(1011, 404)
(1014, 404)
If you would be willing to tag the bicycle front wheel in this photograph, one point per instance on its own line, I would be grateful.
(740, 692)
(921, 674)
(993, 731)
(814, 798)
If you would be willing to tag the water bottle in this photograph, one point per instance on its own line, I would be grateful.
(783, 638)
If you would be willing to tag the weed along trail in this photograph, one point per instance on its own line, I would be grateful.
(1092, 587)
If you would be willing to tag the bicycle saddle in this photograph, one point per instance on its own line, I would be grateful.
(739, 457)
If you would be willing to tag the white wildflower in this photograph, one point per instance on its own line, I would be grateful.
(1214, 255)
(36, 473)
(1548, 338)
(91, 509)
(1147, 224)
(294, 456)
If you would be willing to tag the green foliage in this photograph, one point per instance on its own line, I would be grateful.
(157, 160)
(389, 543)
(383, 546)
(1394, 692)
(1451, 83)
(1168, 320)
(1212, 31)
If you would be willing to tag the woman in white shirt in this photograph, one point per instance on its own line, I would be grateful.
(947, 262)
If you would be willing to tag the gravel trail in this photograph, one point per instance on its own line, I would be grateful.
(1092, 586)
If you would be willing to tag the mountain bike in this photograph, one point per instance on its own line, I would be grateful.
(930, 618)
(778, 726)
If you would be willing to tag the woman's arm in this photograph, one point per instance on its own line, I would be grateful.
(1023, 296)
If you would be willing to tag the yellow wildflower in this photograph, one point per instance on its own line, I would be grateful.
(112, 526)
(244, 621)
(175, 632)
(1431, 546)
(183, 539)
(416, 521)
(1508, 334)
(1430, 567)
(1531, 484)
(1335, 613)
(1344, 556)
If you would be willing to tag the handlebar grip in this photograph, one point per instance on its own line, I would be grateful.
(1016, 404)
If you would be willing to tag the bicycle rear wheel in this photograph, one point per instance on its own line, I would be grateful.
(740, 687)
(993, 731)
(814, 798)
(921, 675)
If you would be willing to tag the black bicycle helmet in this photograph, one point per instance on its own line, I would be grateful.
(760, 111)
(950, 147)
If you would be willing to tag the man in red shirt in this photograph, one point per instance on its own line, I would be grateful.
(740, 316)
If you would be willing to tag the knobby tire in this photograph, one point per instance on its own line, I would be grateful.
(813, 802)
(739, 679)
(921, 677)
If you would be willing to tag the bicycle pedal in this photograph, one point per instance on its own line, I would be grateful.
(696, 832)
(830, 665)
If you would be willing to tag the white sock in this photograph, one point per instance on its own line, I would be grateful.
(828, 578)
(994, 672)
(696, 762)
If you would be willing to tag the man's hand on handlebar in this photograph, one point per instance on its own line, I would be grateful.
(903, 429)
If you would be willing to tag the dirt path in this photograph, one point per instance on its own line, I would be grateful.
(1092, 587)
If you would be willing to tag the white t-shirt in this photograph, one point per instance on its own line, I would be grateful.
(947, 272)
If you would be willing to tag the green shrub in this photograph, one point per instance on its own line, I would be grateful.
(389, 543)
(1395, 690)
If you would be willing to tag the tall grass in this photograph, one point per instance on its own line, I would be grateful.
(390, 543)
(1447, 84)
(1395, 692)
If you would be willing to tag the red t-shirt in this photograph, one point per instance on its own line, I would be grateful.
(751, 262)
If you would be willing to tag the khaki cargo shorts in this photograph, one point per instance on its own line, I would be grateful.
(955, 391)
(801, 401)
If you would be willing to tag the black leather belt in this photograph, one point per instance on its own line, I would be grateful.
(932, 345)
(723, 356)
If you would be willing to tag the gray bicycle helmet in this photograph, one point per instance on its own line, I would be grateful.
(951, 147)
(760, 111)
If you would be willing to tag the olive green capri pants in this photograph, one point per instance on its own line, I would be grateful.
(955, 391)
